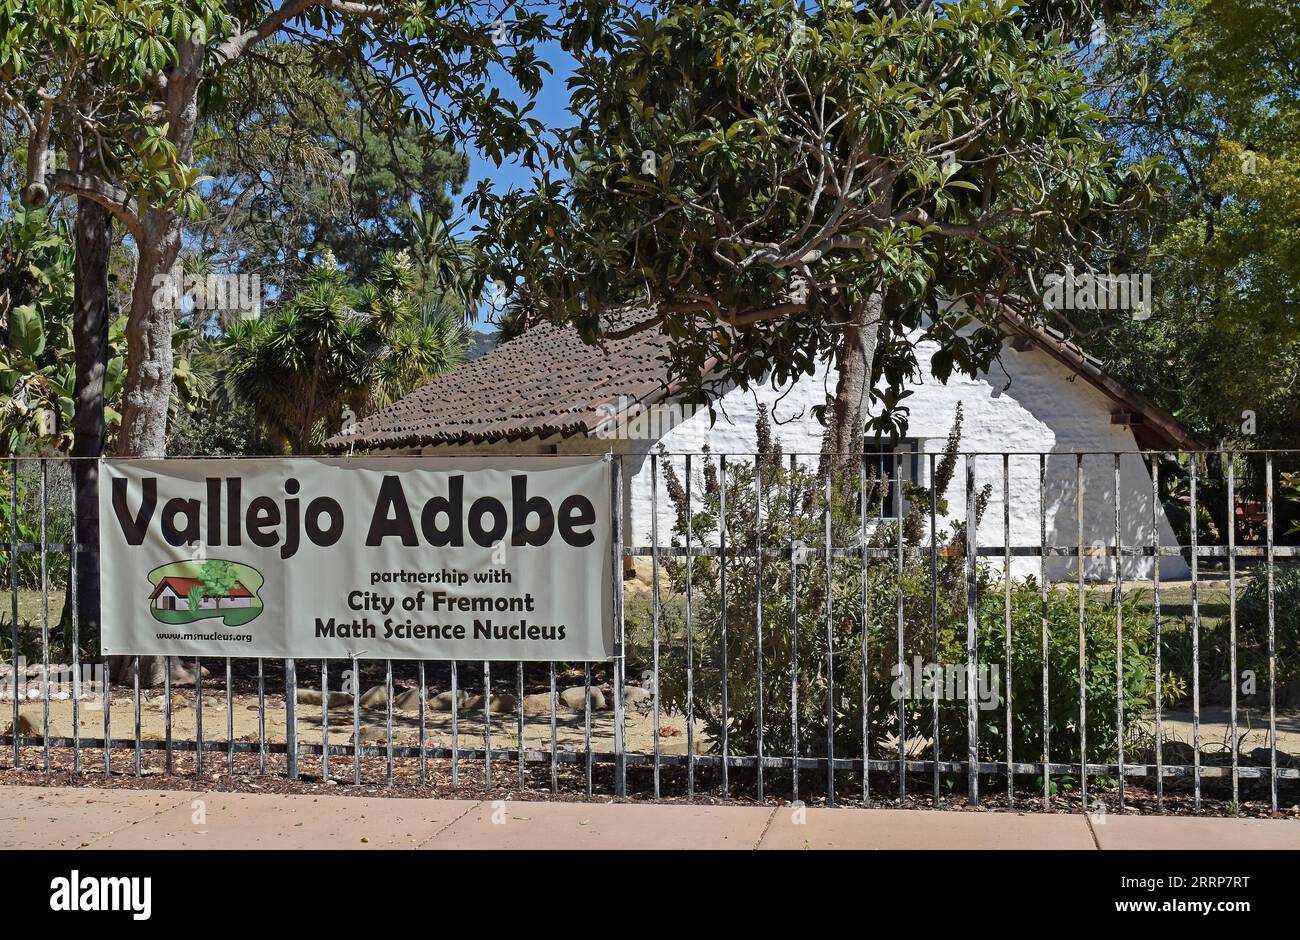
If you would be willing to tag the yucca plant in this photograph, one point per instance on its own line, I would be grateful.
(333, 349)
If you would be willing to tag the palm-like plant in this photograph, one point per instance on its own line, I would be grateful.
(333, 348)
(448, 267)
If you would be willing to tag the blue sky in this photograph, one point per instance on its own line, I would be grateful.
(550, 107)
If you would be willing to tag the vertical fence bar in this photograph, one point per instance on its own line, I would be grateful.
(167, 713)
(1232, 623)
(230, 721)
(13, 623)
(45, 631)
(898, 597)
(830, 640)
(864, 576)
(1272, 636)
(759, 545)
(795, 552)
(422, 771)
(586, 725)
(1119, 636)
(356, 722)
(1155, 594)
(934, 623)
(198, 716)
(1196, 642)
(620, 669)
(388, 722)
(455, 725)
(1006, 617)
(654, 605)
(487, 724)
(519, 718)
(73, 552)
(1079, 575)
(108, 705)
(135, 697)
(972, 639)
(1042, 567)
(261, 713)
(722, 575)
(555, 772)
(690, 643)
(290, 714)
(324, 720)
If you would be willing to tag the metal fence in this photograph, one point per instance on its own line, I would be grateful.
(800, 717)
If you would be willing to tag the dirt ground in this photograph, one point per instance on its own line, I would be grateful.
(1252, 725)
(243, 714)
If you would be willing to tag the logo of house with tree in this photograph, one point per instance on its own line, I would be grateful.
(186, 591)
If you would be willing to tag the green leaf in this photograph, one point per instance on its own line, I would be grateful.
(27, 330)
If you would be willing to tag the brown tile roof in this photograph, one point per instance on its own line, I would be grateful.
(542, 383)
(549, 382)
(1155, 428)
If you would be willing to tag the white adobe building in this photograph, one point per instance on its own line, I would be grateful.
(547, 392)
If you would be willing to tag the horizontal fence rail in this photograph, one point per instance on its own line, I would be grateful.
(886, 626)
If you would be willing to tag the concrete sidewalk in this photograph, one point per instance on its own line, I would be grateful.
(71, 818)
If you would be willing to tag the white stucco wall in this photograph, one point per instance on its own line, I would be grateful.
(1046, 409)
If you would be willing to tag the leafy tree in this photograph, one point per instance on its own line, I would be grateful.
(298, 168)
(35, 304)
(218, 579)
(783, 187)
(335, 349)
(38, 355)
(134, 77)
(1209, 89)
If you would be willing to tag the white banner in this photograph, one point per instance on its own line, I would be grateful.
(393, 558)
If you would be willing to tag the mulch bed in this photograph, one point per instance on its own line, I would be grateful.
(1140, 797)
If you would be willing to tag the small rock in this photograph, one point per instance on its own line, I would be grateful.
(1262, 757)
(442, 701)
(375, 697)
(539, 704)
(408, 700)
(575, 698)
(636, 697)
(314, 697)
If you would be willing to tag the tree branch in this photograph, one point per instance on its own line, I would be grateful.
(236, 46)
(116, 201)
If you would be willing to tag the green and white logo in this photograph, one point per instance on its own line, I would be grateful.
(186, 591)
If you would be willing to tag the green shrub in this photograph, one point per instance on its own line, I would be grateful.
(1252, 624)
(793, 514)
(58, 523)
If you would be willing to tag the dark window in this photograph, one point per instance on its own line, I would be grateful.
(895, 462)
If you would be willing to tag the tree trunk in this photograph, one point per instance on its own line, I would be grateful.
(90, 345)
(148, 387)
(846, 433)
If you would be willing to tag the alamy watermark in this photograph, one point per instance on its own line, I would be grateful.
(627, 419)
(930, 681)
(1101, 291)
(176, 290)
